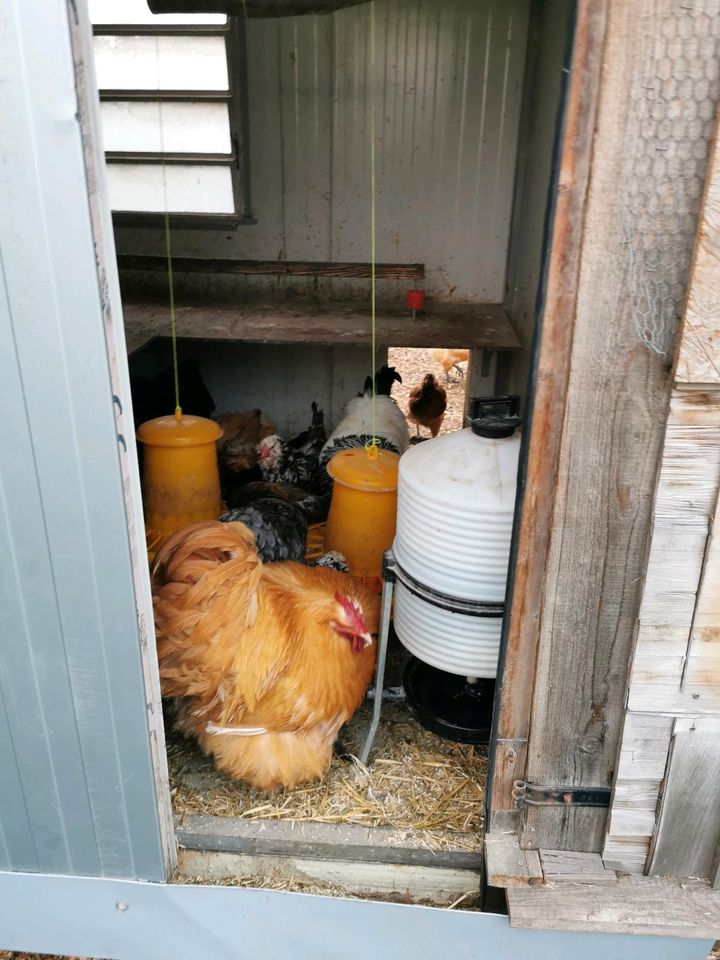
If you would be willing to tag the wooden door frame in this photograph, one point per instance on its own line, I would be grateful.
(547, 390)
(588, 223)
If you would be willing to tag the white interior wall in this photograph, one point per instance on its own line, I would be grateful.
(447, 87)
(281, 380)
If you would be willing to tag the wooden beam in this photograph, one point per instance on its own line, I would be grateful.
(275, 268)
(338, 322)
(548, 412)
(408, 884)
(507, 865)
(648, 906)
(317, 841)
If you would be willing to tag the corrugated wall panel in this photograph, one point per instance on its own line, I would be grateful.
(78, 792)
(447, 89)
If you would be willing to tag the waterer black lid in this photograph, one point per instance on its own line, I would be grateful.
(495, 417)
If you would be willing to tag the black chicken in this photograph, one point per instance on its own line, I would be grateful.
(314, 507)
(311, 441)
(279, 528)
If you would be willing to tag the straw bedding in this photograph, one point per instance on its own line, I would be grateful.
(415, 781)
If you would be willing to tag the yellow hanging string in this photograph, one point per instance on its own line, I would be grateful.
(373, 448)
(173, 331)
(168, 249)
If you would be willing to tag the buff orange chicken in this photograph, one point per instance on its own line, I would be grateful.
(266, 662)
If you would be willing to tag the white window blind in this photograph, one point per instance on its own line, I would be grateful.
(171, 110)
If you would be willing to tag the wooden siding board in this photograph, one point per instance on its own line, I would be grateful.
(676, 663)
(698, 359)
(640, 905)
(688, 831)
(626, 853)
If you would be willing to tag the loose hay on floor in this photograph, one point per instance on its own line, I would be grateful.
(414, 781)
(278, 881)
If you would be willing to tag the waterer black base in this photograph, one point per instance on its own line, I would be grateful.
(449, 705)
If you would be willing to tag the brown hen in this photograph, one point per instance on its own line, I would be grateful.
(269, 661)
(242, 431)
(427, 405)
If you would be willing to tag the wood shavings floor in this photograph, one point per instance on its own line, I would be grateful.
(415, 781)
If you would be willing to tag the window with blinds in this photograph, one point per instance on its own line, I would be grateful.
(173, 99)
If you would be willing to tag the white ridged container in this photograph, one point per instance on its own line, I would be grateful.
(456, 499)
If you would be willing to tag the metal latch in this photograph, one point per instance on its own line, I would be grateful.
(532, 795)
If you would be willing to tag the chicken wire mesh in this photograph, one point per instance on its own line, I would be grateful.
(676, 99)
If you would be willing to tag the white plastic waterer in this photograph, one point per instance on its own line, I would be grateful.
(456, 503)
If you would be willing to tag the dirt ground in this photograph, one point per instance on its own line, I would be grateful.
(412, 365)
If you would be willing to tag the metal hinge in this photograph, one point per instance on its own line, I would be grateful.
(532, 795)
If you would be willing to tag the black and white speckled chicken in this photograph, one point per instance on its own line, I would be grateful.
(332, 559)
(279, 527)
(279, 463)
(360, 421)
(294, 461)
(314, 506)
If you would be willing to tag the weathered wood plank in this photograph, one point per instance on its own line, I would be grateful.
(641, 768)
(633, 810)
(698, 359)
(618, 395)
(507, 865)
(688, 830)
(568, 866)
(317, 841)
(701, 676)
(274, 268)
(441, 325)
(644, 747)
(663, 693)
(535, 521)
(640, 905)
(438, 885)
(628, 854)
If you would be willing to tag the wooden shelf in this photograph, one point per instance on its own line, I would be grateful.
(482, 325)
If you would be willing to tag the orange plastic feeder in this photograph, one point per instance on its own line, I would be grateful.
(361, 521)
(181, 484)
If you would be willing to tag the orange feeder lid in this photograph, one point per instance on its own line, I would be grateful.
(362, 469)
(183, 431)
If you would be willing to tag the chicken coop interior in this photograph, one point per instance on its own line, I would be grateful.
(367, 177)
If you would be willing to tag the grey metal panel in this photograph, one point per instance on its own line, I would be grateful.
(447, 87)
(226, 923)
(73, 725)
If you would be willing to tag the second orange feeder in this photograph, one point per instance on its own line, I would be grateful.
(361, 522)
(180, 475)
